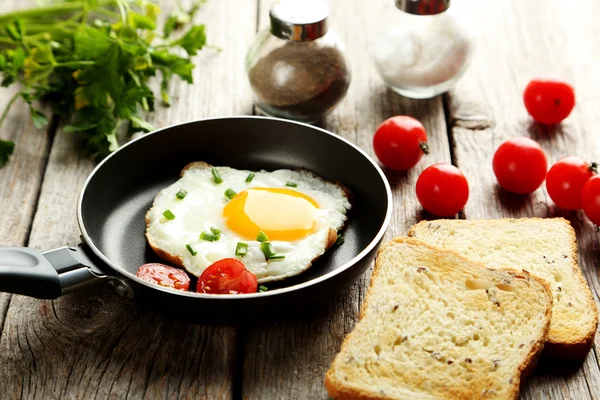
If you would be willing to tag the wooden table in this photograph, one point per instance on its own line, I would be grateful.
(99, 345)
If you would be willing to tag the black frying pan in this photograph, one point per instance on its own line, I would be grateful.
(121, 189)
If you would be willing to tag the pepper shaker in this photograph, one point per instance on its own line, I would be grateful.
(421, 48)
(297, 68)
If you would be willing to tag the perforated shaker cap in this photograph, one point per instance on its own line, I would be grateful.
(423, 7)
(300, 20)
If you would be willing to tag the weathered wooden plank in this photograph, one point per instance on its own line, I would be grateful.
(21, 178)
(98, 345)
(289, 359)
(526, 39)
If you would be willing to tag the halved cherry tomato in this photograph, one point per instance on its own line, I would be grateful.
(520, 165)
(227, 276)
(400, 142)
(164, 275)
(442, 190)
(566, 179)
(591, 199)
(549, 100)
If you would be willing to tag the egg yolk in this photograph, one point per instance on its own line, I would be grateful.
(282, 214)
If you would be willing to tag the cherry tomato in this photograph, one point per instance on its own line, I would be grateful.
(164, 275)
(566, 179)
(400, 142)
(591, 199)
(549, 100)
(442, 190)
(227, 276)
(520, 165)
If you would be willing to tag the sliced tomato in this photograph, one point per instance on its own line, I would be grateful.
(227, 276)
(164, 275)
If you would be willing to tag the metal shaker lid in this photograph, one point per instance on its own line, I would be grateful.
(300, 20)
(423, 7)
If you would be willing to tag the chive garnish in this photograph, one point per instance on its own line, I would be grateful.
(215, 231)
(169, 215)
(241, 249)
(210, 237)
(250, 177)
(276, 257)
(262, 237)
(340, 240)
(265, 247)
(191, 249)
(216, 175)
(262, 288)
(181, 194)
(291, 184)
(230, 193)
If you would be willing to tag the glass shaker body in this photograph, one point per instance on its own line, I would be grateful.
(298, 80)
(421, 56)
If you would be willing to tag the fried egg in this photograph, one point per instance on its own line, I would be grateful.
(212, 213)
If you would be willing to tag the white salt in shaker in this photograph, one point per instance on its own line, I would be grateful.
(421, 47)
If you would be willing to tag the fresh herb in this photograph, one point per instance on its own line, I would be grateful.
(241, 249)
(216, 176)
(262, 237)
(291, 184)
(181, 194)
(250, 177)
(191, 250)
(215, 231)
(91, 62)
(267, 250)
(262, 288)
(169, 215)
(339, 241)
(230, 193)
(213, 236)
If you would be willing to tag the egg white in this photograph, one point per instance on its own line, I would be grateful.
(202, 209)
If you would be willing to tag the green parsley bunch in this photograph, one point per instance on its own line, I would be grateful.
(91, 61)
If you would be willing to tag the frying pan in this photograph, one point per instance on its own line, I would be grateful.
(117, 194)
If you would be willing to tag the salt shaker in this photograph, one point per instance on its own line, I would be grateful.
(297, 68)
(421, 47)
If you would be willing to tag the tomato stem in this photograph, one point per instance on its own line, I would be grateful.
(424, 147)
(593, 167)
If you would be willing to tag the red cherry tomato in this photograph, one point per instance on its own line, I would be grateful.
(400, 142)
(164, 275)
(520, 165)
(442, 190)
(566, 179)
(227, 276)
(549, 100)
(591, 199)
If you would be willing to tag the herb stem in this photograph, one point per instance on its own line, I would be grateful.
(138, 83)
(9, 106)
(75, 64)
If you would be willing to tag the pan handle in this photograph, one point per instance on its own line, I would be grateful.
(50, 274)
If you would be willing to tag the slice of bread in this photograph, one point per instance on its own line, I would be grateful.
(435, 325)
(546, 248)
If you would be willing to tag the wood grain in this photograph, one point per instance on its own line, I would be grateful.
(289, 359)
(21, 178)
(527, 39)
(96, 344)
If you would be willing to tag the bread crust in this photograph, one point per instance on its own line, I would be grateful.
(556, 347)
(338, 391)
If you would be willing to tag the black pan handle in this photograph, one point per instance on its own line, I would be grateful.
(50, 274)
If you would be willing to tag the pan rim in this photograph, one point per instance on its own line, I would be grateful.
(237, 297)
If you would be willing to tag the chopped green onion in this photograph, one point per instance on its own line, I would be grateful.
(169, 215)
(265, 247)
(181, 194)
(291, 184)
(191, 249)
(209, 237)
(250, 177)
(230, 193)
(339, 241)
(276, 257)
(262, 237)
(216, 176)
(262, 288)
(241, 249)
(215, 231)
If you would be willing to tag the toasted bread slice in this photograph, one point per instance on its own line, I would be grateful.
(546, 248)
(435, 325)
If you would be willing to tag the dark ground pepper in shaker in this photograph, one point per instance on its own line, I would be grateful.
(300, 80)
